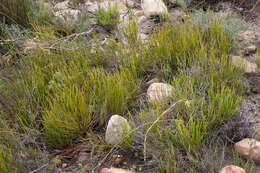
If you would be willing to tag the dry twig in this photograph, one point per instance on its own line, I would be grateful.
(71, 36)
(255, 6)
(156, 121)
(38, 169)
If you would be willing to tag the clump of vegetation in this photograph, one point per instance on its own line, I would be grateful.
(24, 13)
(8, 163)
(11, 31)
(16, 12)
(58, 94)
(73, 96)
(229, 21)
(130, 31)
(32, 15)
(205, 94)
(108, 17)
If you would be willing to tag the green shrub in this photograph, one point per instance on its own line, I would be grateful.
(42, 15)
(16, 12)
(72, 95)
(9, 146)
(108, 17)
(11, 31)
(130, 31)
(230, 22)
(207, 90)
(25, 13)
(248, 165)
(72, 109)
(7, 162)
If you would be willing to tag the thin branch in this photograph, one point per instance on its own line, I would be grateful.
(103, 160)
(130, 132)
(38, 169)
(156, 121)
(114, 147)
(70, 36)
(255, 6)
(10, 19)
(3, 42)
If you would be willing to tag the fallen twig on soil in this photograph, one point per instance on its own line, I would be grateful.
(38, 169)
(70, 36)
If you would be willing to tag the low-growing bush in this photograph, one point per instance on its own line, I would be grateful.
(9, 146)
(16, 11)
(108, 17)
(229, 21)
(24, 13)
(130, 31)
(7, 162)
(73, 96)
(207, 91)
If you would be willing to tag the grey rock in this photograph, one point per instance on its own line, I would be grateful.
(116, 129)
(154, 8)
(68, 14)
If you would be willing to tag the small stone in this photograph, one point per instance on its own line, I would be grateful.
(116, 129)
(114, 156)
(139, 13)
(24, 156)
(122, 7)
(118, 160)
(62, 5)
(159, 93)
(141, 19)
(154, 8)
(57, 162)
(232, 169)
(64, 165)
(177, 14)
(129, 3)
(92, 6)
(241, 62)
(146, 25)
(114, 170)
(249, 149)
(250, 50)
(68, 14)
